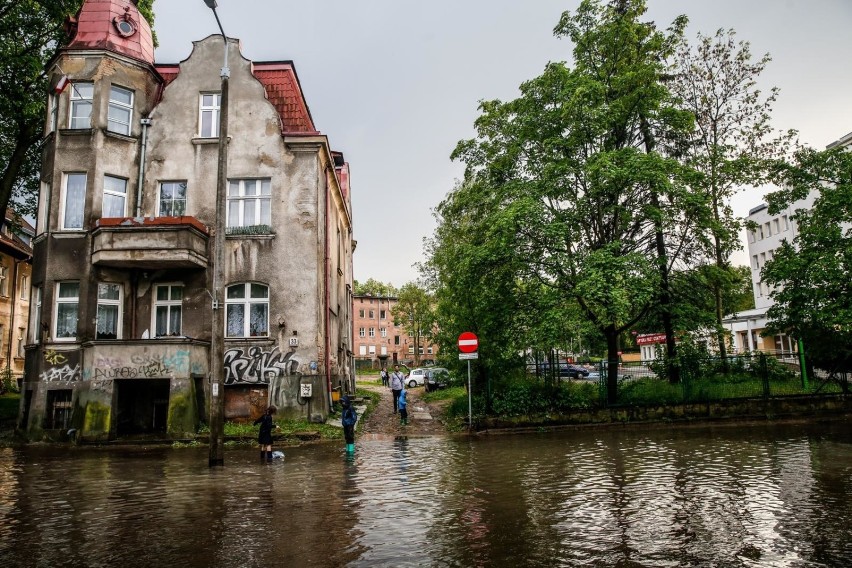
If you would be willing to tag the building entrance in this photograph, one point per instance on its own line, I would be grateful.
(143, 406)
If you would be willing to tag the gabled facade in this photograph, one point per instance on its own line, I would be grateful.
(123, 252)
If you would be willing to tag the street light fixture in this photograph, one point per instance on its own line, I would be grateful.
(217, 343)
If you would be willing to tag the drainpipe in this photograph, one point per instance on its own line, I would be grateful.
(146, 122)
(327, 295)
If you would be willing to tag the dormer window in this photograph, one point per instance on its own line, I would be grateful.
(124, 25)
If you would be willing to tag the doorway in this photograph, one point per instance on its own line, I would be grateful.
(143, 406)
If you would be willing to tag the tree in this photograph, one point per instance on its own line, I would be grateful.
(716, 80)
(810, 276)
(31, 34)
(578, 178)
(375, 288)
(414, 312)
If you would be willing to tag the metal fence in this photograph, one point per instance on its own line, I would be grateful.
(740, 376)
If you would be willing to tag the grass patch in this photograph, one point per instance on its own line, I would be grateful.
(9, 404)
(445, 394)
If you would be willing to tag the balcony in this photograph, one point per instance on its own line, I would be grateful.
(150, 243)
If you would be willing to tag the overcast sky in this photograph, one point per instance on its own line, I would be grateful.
(395, 84)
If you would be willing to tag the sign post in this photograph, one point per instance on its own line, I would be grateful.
(468, 345)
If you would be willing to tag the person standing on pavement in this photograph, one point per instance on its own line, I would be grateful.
(384, 375)
(403, 407)
(396, 381)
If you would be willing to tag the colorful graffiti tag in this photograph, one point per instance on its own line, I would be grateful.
(145, 366)
(257, 366)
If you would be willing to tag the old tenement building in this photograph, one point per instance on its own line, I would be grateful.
(123, 253)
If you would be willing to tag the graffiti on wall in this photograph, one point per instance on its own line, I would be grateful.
(145, 366)
(257, 366)
(66, 373)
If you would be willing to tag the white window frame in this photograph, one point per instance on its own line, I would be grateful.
(25, 288)
(383, 331)
(362, 332)
(41, 216)
(372, 332)
(247, 301)
(372, 349)
(4, 280)
(64, 198)
(121, 126)
(113, 191)
(58, 300)
(362, 350)
(77, 100)
(169, 304)
(172, 201)
(35, 315)
(214, 111)
(111, 302)
(238, 200)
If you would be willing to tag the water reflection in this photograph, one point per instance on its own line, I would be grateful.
(762, 496)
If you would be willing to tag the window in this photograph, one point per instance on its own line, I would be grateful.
(429, 350)
(760, 233)
(784, 222)
(109, 311)
(362, 332)
(372, 332)
(411, 350)
(762, 259)
(383, 331)
(372, 314)
(768, 231)
(247, 312)
(21, 334)
(73, 201)
(35, 316)
(58, 416)
(25, 287)
(168, 301)
(67, 304)
(361, 314)
(420, 350)
(777, 224)
(115, 197)
(754, 263)
(362, 350)
(382, 314)
(396, 340)
(54, 112)
(172, 199)
(41, 218)
(372, 349)
(120, 111)
(751, 236)
(81, 105)
(4, 280)
(249, 203)
(208, 117)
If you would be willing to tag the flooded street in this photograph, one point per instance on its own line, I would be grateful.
(699, 496)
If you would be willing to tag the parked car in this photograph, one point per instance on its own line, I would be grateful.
(437, 378)
(566, 370)
(416, 377)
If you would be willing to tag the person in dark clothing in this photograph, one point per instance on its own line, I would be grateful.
(264, 437)
(348, 418)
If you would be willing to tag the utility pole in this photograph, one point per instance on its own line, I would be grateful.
(217, 343)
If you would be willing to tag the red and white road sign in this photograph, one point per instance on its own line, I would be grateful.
(468, 342)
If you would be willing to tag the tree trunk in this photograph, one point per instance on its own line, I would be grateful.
(612, 364)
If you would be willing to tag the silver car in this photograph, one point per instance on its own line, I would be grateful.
(417, 377)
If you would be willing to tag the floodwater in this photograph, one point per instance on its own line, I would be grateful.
(700, 496)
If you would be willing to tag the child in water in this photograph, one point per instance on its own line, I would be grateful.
(348, 418)
(403, 407)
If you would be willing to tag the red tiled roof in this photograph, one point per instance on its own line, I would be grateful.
(284, 92)
(168, 72)
(95, 29)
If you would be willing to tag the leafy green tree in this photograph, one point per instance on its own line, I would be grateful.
(375, 288)
(415, 313)
(581, 186)
(716, 80)
(812, 289)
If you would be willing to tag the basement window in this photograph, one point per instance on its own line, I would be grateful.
(58, 409)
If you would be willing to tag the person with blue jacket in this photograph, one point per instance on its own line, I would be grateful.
(403, 407)
(348, 418)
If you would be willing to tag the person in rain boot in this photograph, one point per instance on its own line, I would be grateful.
(264, 437)
(348, 418)
(403, 407)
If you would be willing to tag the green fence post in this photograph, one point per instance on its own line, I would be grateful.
(803, 366)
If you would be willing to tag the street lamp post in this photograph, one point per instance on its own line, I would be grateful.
(217, 343)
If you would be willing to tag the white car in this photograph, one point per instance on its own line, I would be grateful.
(416, 377)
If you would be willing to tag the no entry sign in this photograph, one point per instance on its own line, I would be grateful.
(468, 342)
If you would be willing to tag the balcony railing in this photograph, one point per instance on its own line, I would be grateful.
(150, 243)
